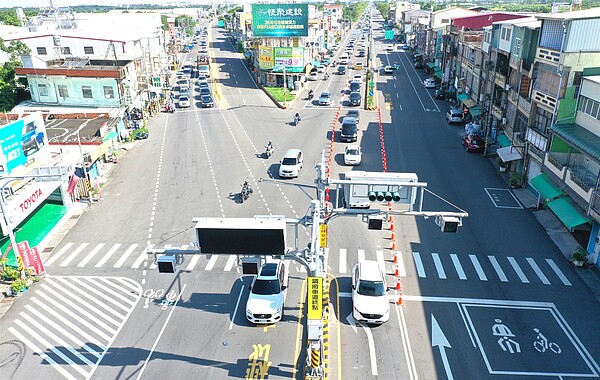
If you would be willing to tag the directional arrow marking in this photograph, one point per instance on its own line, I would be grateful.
(352, 322)
(439, 339)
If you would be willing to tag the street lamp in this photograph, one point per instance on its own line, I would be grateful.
(85, 174)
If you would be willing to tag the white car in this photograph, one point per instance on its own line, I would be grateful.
(313, 76)
(358, 78)
(267, 293)
(388, 70)
(352, 155)
(291, 164)
(184, 101)
(370, 302)
(429, 83)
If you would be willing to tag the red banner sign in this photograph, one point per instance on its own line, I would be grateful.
(31, 257)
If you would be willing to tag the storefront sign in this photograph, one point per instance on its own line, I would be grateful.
(280, 20)
(265, 57)
(31, 200)
(21, 140)
(291, 58)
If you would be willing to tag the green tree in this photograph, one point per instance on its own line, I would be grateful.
(12, 91)
(9, 17)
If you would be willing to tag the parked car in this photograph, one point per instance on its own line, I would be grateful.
(355, 113)
(314, 75)
(454, 115)
(354, 98)
(352, 155)
(473, 143)
(325, 99)
(405, 47)
(349, 130)
(370, 303)
(358, 66)
(429, 83)
(358, 78)
(267, 293)
(291, 163)
(206, 101)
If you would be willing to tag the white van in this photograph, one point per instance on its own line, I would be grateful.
(344, 59)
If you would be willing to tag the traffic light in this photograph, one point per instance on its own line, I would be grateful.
(387, 196)
(166, 264)
(449, 224)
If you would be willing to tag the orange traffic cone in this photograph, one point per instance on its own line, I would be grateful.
(395, 257)
(398, 285)
(396, 271)
(393, 246)
(393, 236)
(399, 299)
(391, 225)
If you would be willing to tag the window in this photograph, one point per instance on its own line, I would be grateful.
(63, 91)
(508, 32)
(41, 50)
(577, 77)
(88, 49)
(42, 90)
(109, 92)
(543, 119)
(66, 50)
(87, 92)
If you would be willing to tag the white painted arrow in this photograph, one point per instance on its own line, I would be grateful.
(352, 322)
(439, 339)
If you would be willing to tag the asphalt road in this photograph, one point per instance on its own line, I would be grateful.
(496, 300)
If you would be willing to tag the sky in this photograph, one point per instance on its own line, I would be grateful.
(63, 3)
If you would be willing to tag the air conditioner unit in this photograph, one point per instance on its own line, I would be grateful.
(504, 120)
(507, 87)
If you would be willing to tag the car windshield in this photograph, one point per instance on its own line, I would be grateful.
(355, 95)
(288, 161)
(371, 288)
(325, 95)
(352, 152)
(266, 287)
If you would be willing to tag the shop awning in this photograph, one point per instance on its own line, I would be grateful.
(438, 74)
(469, 103)
(509, 153)
(545, 186)
(568, 213)
(109, 136)
(431, 65)
(503, 140)
(463, 97)
(315, 63)
(475, 111)
(580, 137)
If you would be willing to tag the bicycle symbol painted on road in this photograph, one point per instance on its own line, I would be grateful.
(505, 341)
(542, 344)
(151, 295)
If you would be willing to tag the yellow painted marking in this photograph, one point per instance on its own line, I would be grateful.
(299, 329)
(267, 327)
(258, 362)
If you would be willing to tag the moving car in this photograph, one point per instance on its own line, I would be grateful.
(184, 101)
(314, 75)
(206, 101)
(388, 70)
(291, 163)
(204, 91)
(354, 98)
(354, 86)
(349, 130)
(352, 155)
(370, 302)
(341, 70)
(325, 99)
(358, 66)
(355, 114)
(267, 293)
(357, 78)
(473, 143)
(454, 115)
(429, 83)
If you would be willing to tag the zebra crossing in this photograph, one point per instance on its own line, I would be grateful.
(70, 322)
(442, 266)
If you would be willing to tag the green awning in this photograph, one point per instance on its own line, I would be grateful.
(462, 97)
(438, 74)
(315, 63)
(568, 213)
(579, 137)
(545, 186)
(436, 69)
(503, 140)
(109, 136)
(431, 65)
(475, 111)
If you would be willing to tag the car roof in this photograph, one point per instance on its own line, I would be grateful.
(292, 153)
(269, 270)
(325, 93)
(370, 270)
(349, 119)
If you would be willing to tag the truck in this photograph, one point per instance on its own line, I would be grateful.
(360, 194)
(204, 69)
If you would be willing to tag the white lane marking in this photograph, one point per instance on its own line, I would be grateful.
(230, 262)
(438, 265)
(342, 260)
(211, 262)
(152, 266)
(400, 264)
(63, 331)
(42, 354)
(58, 254)
(143, 256)
(237, 304)
(86, 294)
(90, 255)
(412, 369)
(55, 338)
(125, 256)
(458, 266)
(72, 326)
(380, 261)
(478, 268)
(558, 272)
(110, 252)
(193, 262)
(113, 289)
(160, 333)
(371, 348)
(76, 252)
(419, 264)
(52, 348)
(538, 271)
(498, 269)
(518, 269)
(361, 255)
(344, 294)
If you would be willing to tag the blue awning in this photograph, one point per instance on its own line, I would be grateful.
(315, 63)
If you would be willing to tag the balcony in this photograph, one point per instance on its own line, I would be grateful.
(544, 100)
(497, 112)
(555, 165)
(524, 105)
(500, 80)
(548, 56)
(581, 182)
(515, 62)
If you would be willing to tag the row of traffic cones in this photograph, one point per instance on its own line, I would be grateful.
(398, 286)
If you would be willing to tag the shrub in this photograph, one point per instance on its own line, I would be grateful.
(11, 274)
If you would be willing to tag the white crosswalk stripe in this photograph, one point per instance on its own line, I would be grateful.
(70, 322)
(434, 265)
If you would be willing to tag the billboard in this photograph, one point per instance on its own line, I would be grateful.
(265, 57)
(290, 57)
(280, 20)
(20, 141)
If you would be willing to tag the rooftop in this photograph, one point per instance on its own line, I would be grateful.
(573, 15)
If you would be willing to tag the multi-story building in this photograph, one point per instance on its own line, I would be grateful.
(333, 23)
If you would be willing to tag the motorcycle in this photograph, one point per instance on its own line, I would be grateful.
(311, 95)
(297, 119)
(246, 191)
(326, 76)
(269, 150)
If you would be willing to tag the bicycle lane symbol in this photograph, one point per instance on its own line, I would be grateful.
(150, 295)
(522, 341)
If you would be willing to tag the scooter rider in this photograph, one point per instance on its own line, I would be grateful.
(269, 149)
(296, 118)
